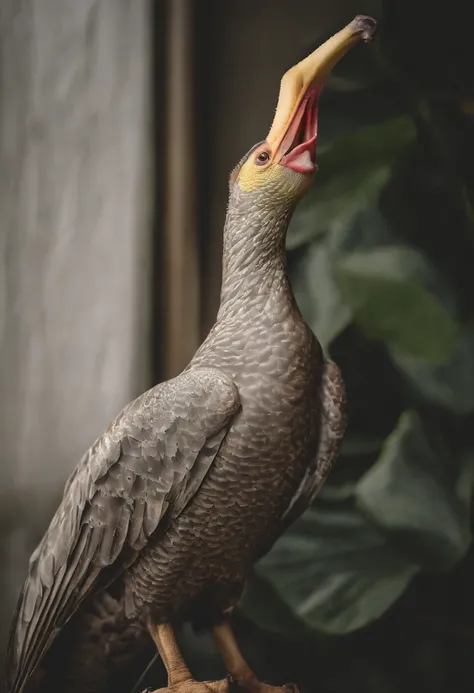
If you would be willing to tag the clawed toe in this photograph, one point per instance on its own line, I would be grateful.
(291, 688)
(217, 686)
(192, 686)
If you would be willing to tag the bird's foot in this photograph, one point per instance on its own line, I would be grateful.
(253, 685)
(193, 686)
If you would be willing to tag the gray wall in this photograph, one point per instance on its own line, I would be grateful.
(75, 193)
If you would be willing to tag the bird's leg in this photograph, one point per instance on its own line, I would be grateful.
(238, 668)
(180, 679)
(165, 641)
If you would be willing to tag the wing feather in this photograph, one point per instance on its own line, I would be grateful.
(332, 430)
(139, 475)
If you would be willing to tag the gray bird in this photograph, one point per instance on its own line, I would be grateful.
(193, 482)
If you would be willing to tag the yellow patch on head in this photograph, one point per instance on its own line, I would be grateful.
(252, 176)
(259, 170)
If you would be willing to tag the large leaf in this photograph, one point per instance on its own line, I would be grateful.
(264, 606)
(318, 296)
(449, 385)
(335, 571)
(366, 230)
(411, 495)
(314, 286)
(353, 445)
(352, 172)
(374, 145)
(336, 202)
(394, 296)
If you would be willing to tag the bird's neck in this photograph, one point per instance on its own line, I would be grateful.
(254, 267)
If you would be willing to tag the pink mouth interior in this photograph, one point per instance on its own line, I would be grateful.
(299, 142)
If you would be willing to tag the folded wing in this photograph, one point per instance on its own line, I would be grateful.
(137, 477)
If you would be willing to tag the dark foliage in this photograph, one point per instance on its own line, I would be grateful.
(371, 586)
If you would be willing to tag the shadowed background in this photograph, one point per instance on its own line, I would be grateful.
(119, 123)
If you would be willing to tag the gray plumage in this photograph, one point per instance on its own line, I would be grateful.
(194, 481)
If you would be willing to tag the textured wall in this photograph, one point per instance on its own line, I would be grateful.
(74, 246)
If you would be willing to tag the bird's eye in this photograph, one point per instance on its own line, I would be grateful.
(262, 158)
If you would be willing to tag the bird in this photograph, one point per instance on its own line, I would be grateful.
(165, 515)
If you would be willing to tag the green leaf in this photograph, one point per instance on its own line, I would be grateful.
(372, 146)
(335, 571)
(264, 606)
(317, 294)
(336, 202)
(353, 171)
(394, 294)
(360, 445)
(366, 230)
(449, 385)
(410, 494)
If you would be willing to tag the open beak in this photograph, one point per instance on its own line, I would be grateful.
(292, 136)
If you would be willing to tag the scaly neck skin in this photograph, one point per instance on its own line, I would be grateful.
(253, 267)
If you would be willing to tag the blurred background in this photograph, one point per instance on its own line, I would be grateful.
(119, 123)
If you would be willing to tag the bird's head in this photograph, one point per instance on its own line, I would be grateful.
(282, 167)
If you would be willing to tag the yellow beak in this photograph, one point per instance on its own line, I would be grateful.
(297, 82)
